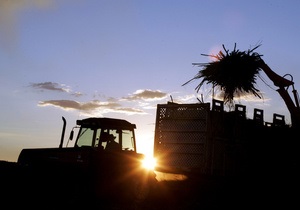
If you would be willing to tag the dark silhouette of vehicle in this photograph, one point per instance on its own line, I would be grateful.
(92, 168)
(203, 138)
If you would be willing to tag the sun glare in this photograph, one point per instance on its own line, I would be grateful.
(149, 162)
(145, 146)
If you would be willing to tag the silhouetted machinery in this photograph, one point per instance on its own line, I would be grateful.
(91, 168)
(205, 139)
(283, 85)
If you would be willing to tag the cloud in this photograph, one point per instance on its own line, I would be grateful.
(146, 95)
(95, 107)
(77, 94)
(53, 86)
(50, 86)
(91, 106)
(243, 96)
(75, 105)
(186, 98)
(128, 110)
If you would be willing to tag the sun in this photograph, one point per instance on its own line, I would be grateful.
(149, 162)
(145, 146)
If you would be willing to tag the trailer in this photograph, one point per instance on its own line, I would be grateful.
(205, 139)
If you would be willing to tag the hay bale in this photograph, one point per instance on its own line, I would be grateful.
(233, 73)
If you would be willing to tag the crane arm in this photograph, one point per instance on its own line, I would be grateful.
(278, 81)
(282, 85)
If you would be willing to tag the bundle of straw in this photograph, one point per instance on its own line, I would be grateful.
(234, 73)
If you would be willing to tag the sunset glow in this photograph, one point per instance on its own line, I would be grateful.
(120, 59)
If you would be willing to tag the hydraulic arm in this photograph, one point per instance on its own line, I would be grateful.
(283, 84)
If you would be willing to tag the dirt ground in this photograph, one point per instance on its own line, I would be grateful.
(173, 191)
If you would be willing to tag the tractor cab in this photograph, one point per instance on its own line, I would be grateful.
(106, 134)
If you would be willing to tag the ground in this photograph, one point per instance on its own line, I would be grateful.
(173, 191)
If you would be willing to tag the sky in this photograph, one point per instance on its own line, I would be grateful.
(100, 58)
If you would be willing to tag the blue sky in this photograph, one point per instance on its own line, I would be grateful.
(82, 58)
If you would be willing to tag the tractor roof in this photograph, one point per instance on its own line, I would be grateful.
(106, 123)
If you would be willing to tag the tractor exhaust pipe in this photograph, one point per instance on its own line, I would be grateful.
(63, 133)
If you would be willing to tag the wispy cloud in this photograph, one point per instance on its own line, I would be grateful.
(248, 97)
(146, 95)
(55, 87)
(76, 105)
(138, 102)
(77, 94)
(52, 86)
(135, 103)
(91, 106)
